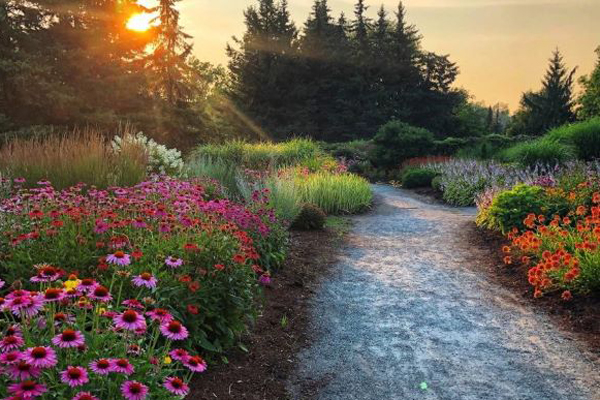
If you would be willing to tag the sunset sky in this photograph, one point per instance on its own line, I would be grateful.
(501, 46)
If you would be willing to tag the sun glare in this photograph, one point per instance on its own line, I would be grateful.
(140, 22)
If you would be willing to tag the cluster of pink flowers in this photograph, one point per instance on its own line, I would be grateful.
(64, 360)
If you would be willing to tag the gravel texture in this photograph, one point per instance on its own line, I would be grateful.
(406, 315)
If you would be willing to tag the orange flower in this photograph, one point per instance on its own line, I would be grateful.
(537, 293)
(506, 249)
(507, 260)
(566, 295)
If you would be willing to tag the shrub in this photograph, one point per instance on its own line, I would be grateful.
(418, 177)
(584, 136)
(161, 160)
(397, 141)
(69, 159)
(310, 217)
(450, 145)
(335, 193)
(70, 336)
(206, 253)
(356, 150)
(509, 209)
(541, 151)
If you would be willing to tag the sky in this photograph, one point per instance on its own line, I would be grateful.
(501, 46)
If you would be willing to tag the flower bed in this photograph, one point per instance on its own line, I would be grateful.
(73, 338)
(173, 241)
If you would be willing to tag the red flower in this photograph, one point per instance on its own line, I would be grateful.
(566, 295)
(193, 287)
(192, 309)
(219, 267)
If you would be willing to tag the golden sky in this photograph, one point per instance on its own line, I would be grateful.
(501, 46)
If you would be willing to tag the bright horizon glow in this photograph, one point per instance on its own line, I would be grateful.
(140, 22)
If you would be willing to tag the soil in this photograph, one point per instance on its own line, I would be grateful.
(280, 331)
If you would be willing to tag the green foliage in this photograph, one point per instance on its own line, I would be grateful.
(584, 136)
(265, 155)
(540, 151)
(335, 193)
(590, 97)
(223, 172)
(462, 192)
(355, 150)
(418, 177)
(311, 217)
(397, 141)
(451, 145)
(511, 207)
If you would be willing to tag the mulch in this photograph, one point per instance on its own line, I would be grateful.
(579, 316)
(279, 332)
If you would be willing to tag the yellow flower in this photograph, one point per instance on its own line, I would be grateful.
(72, 284)
(168, 360)
(101, 310)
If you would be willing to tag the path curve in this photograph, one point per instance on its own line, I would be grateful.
(403, 306)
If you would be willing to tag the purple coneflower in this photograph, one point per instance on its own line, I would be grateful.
(61, 318)
(101, 227)
(159, 314)
(100, 293)
(11, 357)
(133, 303)
(9, 343)
(176, 386)
(101, 367)
(130, 320)
(27, 306)
(74, 376)
(41, 357)
(27, 389)
(46, 273)
(173, 262)
(22, 370)
(53, 295)
(87, 285)
(139, 223)
(121, 366)
(174, 330)
(179, 355)
(146, 279)
(68, 338)
(195, 364)
(119, 258)
(133, 390)
(84, 396)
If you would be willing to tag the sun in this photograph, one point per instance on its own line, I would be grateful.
(140, 22)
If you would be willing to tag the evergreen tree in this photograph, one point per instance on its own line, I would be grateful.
(552, 105)
(589, 100)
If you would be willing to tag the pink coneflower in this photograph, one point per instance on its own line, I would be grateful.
(174, 330)
(173, 262)
(139, 223)
(22, 371)
(195, 364)
(119, 258)
(101, 227)
(160, 314)
(133, 303)
(146, 279)
(41, 357)
(265, 279)
(87, 285)
(27, 389)
(176, 386)
(19, 180)
(130, 320)
(9, 343)
(18, 293)
(68, 338)
(74, 376)
(43, 182)
(121, 366)
(61, 318)
(14, 330)
(134, 349)
(179, 355)
(133, 390)
(84, 396)
(53, 295)
(11, 357)
(100, 293)
(101, 367)
(27, 306)
(46, 273)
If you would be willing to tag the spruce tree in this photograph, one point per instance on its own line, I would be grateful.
(553, 104)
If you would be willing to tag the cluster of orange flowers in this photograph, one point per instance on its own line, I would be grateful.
(559, 246)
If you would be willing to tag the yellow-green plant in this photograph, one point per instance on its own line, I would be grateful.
(335, 193)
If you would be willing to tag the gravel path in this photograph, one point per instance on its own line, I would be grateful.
(405, 308)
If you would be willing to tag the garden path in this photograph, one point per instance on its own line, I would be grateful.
(405, 316)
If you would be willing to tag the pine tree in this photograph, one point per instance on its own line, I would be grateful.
(589, 100)
(553, 104)
(168, 61)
